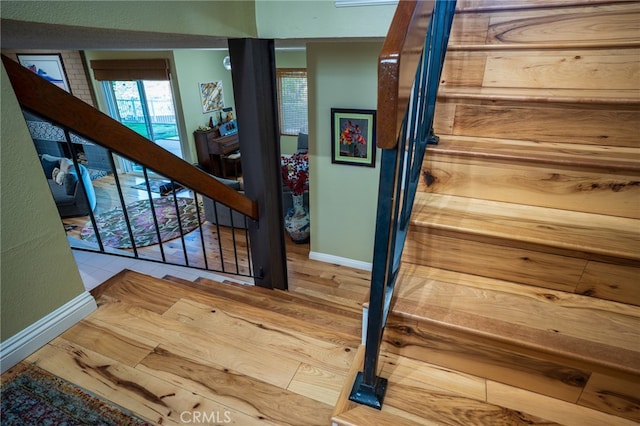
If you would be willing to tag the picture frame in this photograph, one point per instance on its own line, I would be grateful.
(353, 137)
(48, 66)
(211, 96)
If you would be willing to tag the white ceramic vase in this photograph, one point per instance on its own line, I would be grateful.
(296, 221)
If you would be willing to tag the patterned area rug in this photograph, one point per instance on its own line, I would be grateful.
(113, 229)
(36, 397)
(162, 187)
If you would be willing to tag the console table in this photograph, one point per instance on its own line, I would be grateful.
(213, 151)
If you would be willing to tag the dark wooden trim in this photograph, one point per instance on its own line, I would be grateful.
(254, 87)
(39, 96)
(397, 65)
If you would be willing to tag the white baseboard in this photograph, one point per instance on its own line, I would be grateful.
(329, 258)
(24, 343)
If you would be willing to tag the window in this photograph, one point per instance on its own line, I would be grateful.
(292, 100)
(138, 94)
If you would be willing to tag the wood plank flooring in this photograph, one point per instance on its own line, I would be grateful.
(171, 350)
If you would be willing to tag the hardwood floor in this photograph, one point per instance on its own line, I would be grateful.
(177, 352)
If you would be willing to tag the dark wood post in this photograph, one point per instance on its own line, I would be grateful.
(254, 87)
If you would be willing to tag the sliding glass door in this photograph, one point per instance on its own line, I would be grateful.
(147, 107)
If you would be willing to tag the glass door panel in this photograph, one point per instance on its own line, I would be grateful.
(147, 108)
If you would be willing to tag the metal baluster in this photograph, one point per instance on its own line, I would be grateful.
(175, 203)
(246, 237)
(204, 248)
(153, 213)
(122, 203)
(233, 238)
(215, 214)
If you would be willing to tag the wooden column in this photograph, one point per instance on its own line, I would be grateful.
(254, 86)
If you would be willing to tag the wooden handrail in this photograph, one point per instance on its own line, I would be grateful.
(397, 65)
(41, 97)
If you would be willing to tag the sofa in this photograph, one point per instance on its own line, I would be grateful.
(218, 213)
(72, 198)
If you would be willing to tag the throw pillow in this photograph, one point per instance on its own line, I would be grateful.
(58, 176)
(66, 165)
(48, 166)
(70, 181)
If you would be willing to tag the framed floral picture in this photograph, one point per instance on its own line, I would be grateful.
(49, 67)
(353, 137)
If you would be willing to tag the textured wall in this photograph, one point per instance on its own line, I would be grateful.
(343, 197)
(38, 272)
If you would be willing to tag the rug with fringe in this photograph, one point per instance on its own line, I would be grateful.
(33, 396)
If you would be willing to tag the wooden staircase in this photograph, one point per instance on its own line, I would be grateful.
(522, 264)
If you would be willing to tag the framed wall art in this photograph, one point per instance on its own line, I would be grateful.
(49, 67)
(353, 137)
(211, 96)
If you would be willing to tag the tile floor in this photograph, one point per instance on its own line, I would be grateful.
(95, 268)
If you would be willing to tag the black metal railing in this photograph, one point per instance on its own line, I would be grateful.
(141, 215)
(399, 178)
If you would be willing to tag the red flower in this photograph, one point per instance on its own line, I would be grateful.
(352, 133)
(295, 172)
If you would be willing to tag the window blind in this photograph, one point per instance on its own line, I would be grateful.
(130, 69)
(292, 100)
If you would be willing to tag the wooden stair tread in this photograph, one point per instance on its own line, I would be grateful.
(361, 415)
(166, 292)
(595, 333)
(570, 155)
(343, 323)
(572, 96)
(141, 288)
(282, 298)
(418, 393)
(475, 6)
(577, 232)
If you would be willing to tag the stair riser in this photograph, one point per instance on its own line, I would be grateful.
(541, 26)
(610, 392)
(555, 69)
(580, 124)
(591, 191)
(497, 259)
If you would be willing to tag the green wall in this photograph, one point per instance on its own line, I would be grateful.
(210, 18)
(37, 271)
(320, 19)
(343, 198)
(194, 67)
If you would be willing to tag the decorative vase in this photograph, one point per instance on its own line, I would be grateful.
(297, 222)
